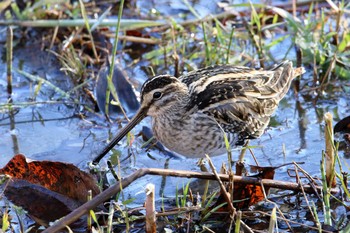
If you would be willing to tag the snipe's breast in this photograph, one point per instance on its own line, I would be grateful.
(193, 136)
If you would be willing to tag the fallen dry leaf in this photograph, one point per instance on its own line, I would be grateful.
(250, 194)
(245, 195)
(63, 178)
(43, 205)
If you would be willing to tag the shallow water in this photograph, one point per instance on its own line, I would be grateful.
(296, 135)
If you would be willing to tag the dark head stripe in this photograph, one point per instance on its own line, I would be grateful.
(156, 82)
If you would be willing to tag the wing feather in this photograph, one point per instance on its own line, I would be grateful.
(240, 99)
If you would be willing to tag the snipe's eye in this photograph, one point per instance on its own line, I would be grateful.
(157, 95)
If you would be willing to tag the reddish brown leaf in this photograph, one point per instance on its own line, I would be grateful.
(59, 177)
(42, 205)
(250, 194)
(245, 195)
(136, 33)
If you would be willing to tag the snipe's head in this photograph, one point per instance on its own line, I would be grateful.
(161, 94)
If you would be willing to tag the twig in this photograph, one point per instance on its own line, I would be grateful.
(227, 196)
(312, 181)
(304, 194)
(134, 39)
(125, 24)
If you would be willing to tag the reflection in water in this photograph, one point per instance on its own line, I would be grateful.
(12, 114)
(9, 58)
(302, 125)
(163, 181)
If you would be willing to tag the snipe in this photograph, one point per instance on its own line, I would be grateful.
(190, 113)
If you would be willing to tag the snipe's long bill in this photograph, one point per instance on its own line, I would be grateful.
(191, 113)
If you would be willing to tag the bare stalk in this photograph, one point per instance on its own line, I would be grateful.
(330, 150)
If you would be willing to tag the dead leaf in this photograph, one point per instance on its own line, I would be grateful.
(245, 195)
(250, 194)
(63, 178)
(42, 204)
(136, 33)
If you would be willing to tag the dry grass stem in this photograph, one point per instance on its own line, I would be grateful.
(151, 225)
(226, 194)
(330, 150)
(304, 194)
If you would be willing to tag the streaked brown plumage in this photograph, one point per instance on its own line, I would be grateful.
(190, 113)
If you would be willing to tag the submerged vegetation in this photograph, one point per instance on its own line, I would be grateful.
(97, 44)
